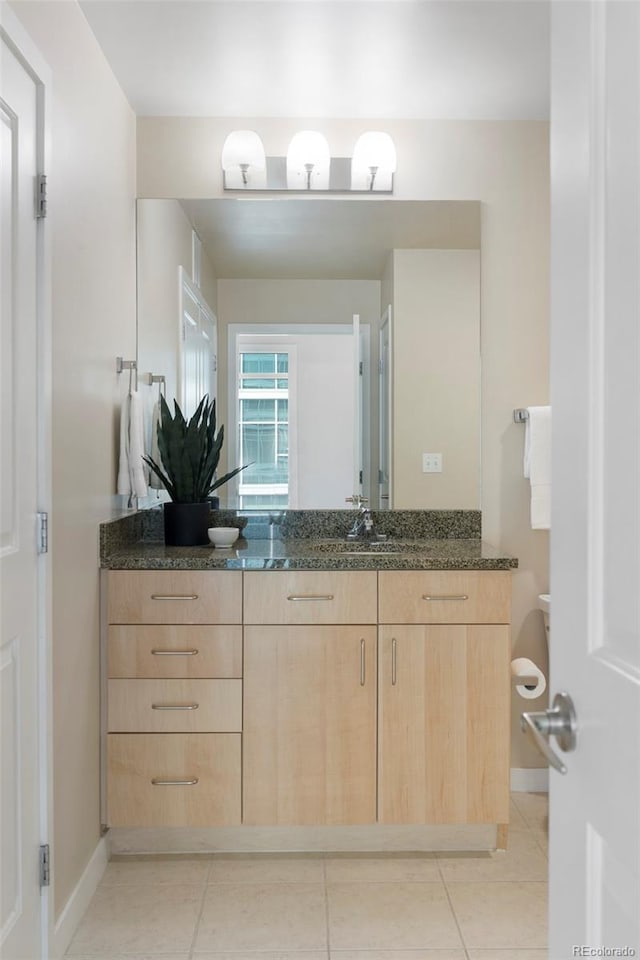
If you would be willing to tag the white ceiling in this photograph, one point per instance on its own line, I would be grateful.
(318, 239)
(462, 59)
(459, 59)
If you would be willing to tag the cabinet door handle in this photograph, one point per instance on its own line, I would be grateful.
(174, 783)
(362, 662)
(174, 596)
(174, 653)
(394, 659)
(311, 596)
(175, 706)
(461, 596)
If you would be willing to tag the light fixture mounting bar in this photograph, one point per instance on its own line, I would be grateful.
(276, 179)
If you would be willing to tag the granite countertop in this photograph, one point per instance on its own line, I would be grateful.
(308, 540)
(313, 554)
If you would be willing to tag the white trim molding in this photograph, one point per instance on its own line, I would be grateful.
(530, 779)
(79, 900)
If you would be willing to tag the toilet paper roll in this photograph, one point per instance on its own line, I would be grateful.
(523, 667)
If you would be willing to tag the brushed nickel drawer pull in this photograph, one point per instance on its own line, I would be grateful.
(394, 658)
(175, 706)
(362, 662)
(317, 596)
(174, 783)
(174, 596)
(174, 653)
(436, 597)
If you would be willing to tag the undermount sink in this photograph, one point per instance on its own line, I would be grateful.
(368, 547)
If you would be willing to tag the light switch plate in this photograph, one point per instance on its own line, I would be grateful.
(432, 463)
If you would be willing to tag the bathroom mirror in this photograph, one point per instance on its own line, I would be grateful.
(341, 338)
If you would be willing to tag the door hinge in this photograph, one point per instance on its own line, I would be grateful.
(43, 532)
(45, 865)
(360, 477)
(41, 196)
(361, 367)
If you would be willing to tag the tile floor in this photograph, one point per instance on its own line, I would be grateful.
(342, 907)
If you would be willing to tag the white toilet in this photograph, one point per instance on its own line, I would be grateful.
(544, 604)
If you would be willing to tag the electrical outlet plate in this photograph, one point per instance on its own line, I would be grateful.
(432, 463)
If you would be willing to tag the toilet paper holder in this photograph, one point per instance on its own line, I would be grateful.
(523, 681)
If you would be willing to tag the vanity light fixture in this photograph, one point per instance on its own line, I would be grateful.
(308, 165)
(308, 162)
(374, 162)
(244, 161)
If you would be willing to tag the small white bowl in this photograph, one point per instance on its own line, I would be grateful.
(223, 536)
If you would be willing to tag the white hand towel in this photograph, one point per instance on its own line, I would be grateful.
(136, 445)
(537, 465)
(124, 479)
(154, 480)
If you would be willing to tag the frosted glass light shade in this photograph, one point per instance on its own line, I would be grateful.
(243, 160)
(374, 162)
(308, 162)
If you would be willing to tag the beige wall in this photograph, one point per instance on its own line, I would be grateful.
(505, 165)
(436, 359)
(164, 245)
(92, 208)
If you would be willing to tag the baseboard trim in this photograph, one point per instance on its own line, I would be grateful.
(248, 839)
(78, 902)
(530, 779)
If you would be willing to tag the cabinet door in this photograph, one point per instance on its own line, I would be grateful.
(309, 741)
(444, 722)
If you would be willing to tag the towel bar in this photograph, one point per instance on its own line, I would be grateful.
(125, 364)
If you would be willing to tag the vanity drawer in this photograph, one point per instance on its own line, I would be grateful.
(164, 651)
(452, 596)
(318, 596)
(174, 596)
(197, 779)
(175, 706)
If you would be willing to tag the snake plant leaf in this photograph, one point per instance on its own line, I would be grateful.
(190, 452)
(169, 486)
(218, 483)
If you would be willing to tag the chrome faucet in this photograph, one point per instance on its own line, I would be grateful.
(363, 527)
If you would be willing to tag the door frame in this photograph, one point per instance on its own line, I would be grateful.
(385, 415)
(15, 35)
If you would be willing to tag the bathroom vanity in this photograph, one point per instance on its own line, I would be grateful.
(307, 683)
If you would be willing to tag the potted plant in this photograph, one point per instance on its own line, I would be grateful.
(189, 454)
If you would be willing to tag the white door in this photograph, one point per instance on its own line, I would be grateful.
(595, 585)
(385, 409)
(22, 759)
(198, 347)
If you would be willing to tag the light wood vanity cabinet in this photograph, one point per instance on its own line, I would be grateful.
(174, 698)
(444, 697)
(309, 741)
(324, 697)
(309, 725)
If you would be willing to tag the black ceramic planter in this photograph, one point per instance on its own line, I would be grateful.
(186, 524)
